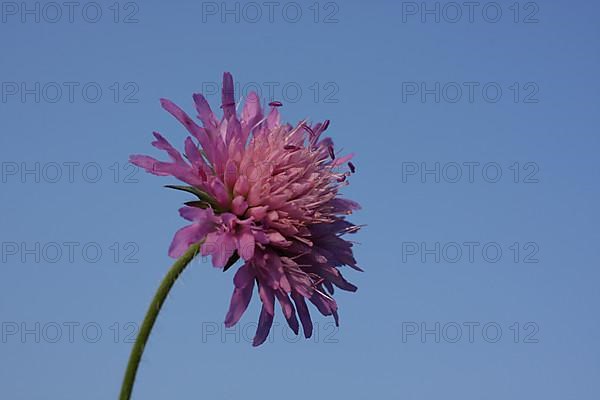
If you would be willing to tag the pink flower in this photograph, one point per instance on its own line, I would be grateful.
(267, 193)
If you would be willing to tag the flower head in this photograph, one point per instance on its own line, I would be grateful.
(268, 194)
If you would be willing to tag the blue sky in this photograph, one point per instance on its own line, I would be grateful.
(476, 136)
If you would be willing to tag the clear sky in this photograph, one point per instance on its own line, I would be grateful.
(476, 132)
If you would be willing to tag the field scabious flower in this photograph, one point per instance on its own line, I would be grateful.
(267, 193)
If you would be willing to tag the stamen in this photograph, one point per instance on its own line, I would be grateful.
(353, 229)
(308, 129)
(325, 125)
(331, 153)
(324, 295)
(258, 123)
(228, 104)
(352, 167)
(275, 104)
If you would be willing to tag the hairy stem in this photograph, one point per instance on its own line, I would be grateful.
(151, 315)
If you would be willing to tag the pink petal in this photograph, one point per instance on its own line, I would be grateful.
(184, 238)
(231, 174)
(225, 251)
(163, 144)
(185, 119)
(197, 214)
(205, 114)
(258, 213)
(251, 110)
(267, 298)
(228, 101)
(148, 163)
(251, 115)
(220, 192)
(234, 131)
(303, 313)
(239, 303)
(241, 186)
(246, 244)
(193, 154)
(239, 205)
(244, 276)
(273, 118)
(221, 246)
(325, 305)
(264, 327)
(288, 311)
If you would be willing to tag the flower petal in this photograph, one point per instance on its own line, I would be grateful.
(239, 205)
(198, 214)
(239, 300)
(244, 276)
(267, 297)
(184, 238)
(185, 120)
(264, 327)
(228, 101)
(148, 163)
(205, 114)
(303, 313)
(246, 244)
(163, 144)
(220, 245)
(288, 310)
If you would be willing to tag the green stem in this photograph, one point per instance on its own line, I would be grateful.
(151, 315)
